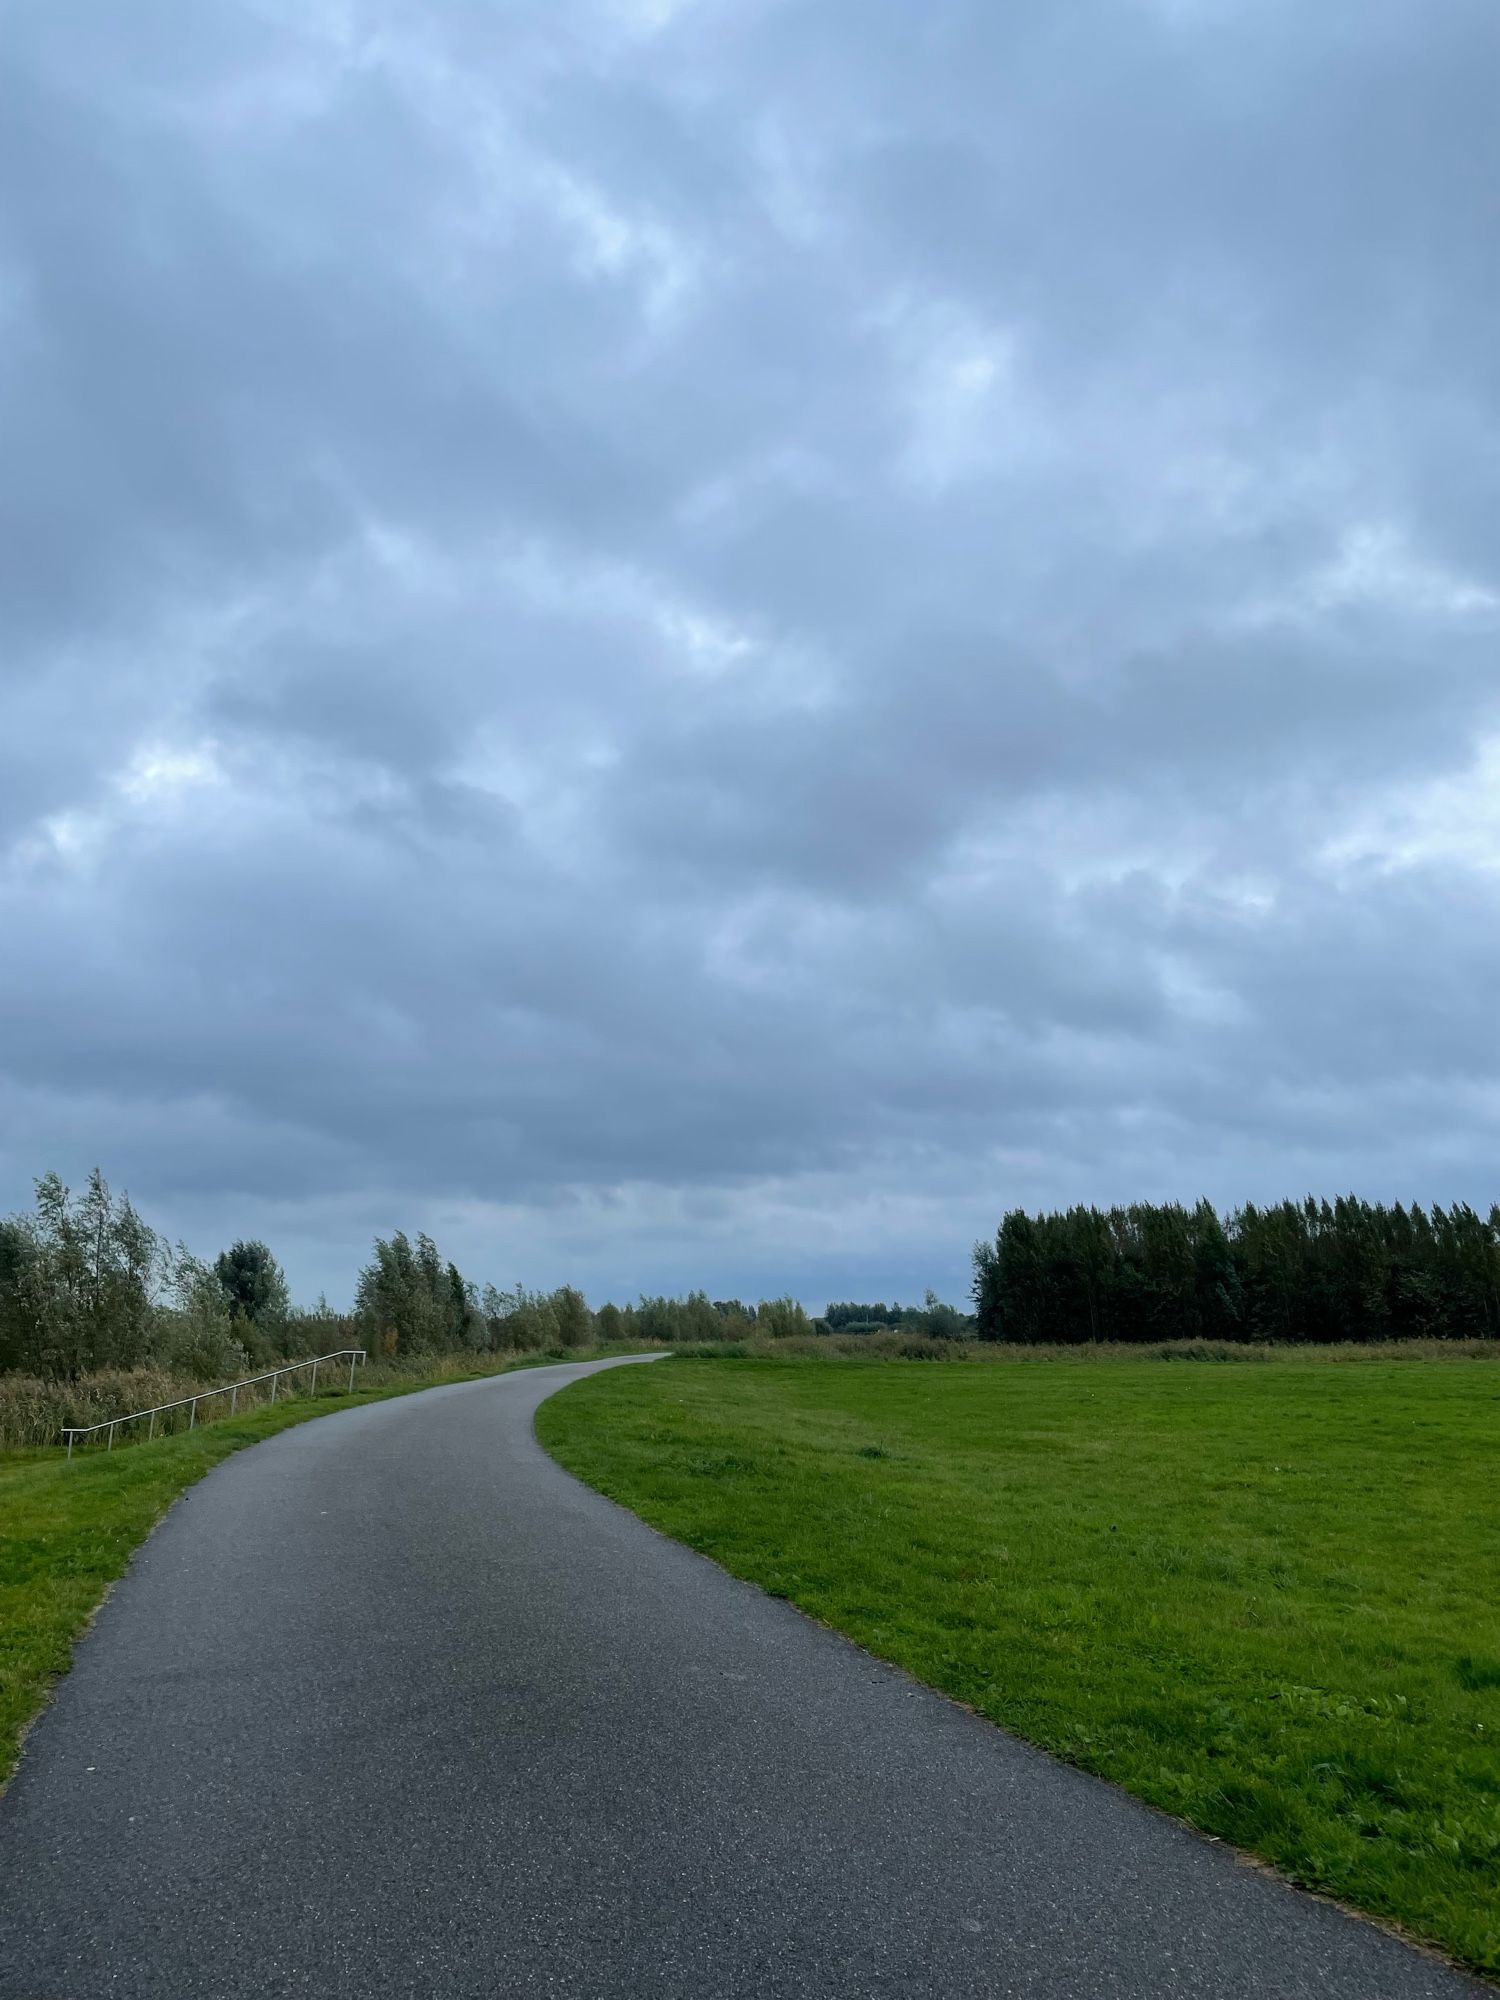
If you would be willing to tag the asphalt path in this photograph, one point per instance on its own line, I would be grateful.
(390, 1705)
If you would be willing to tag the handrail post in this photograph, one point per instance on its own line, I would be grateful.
(111, 1445)
(234, 1396)
(151, 1433)
(314, 1389)
(193, 1413)
(351, 1372)
(70, 1444)
(274, 1373)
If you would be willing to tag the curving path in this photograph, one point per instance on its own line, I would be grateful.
(389, 1705)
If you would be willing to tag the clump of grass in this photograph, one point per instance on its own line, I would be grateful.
(1266, 1599)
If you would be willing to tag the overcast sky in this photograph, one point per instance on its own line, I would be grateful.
(703, 643)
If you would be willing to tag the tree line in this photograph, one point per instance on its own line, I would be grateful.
(1349, 1270)
(932, 1318)
(409, 1301)
(87, 1284)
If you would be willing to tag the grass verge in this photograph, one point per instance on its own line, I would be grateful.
(67, 1529)
(1266, 1599)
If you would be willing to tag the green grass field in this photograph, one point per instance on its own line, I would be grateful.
(67, 1529)
(1264, 1598)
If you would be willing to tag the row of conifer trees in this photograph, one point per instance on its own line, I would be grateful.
(1348, 1270)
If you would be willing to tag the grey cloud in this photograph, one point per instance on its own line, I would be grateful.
(702, 651)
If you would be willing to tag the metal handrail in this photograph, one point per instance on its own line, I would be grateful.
(230, 1389)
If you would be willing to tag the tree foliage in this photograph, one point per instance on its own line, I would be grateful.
(1308, 1271)
(932, 1318)
(408, 1301)
(656, 1321)
(81, 1276)
(253, 1285)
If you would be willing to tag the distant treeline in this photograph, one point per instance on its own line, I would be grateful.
(410, 1302)
(86, 1284)
(1308, 1271)
(932, 1317)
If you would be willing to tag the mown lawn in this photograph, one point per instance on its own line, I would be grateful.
(1265, 1598)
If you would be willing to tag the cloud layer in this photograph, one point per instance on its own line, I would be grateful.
(704, 642)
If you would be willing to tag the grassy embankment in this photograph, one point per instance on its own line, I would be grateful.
(1265, 1598)
(67, 1529)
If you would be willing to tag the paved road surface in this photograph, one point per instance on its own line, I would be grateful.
(390, 1705)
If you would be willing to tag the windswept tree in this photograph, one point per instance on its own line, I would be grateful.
(82, 1273)
(201, 1335)
(391, 1301)
(409, 1301)
(781, 1319)
(524, 1320)
(467, 1325)
(575, 1323)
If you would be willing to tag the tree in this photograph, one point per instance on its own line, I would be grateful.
(16, 1252)
(943, 1322)
(84, 1272)
(1009, 1281)
(429, 1267)
(781, 1319)
(197, 1335)
(468, 1326)
(253, 1284)
(520, 1319)
(1219, 1295)
(575, 1323)
(392, 1302)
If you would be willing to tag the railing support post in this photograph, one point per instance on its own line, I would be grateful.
(193, 1413)
(314, 1389)
(151, 1432)
(351, 1374)
(70, 1444)
(111, 1445)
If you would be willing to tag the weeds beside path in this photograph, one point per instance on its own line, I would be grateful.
(68, 1528)
(1264, 1598)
